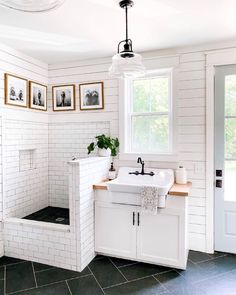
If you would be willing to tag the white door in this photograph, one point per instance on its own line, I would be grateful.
(115, 229)
(161, 238)
(225, 158)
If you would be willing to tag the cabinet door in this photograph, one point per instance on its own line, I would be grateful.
(161, 238)
(115, 229)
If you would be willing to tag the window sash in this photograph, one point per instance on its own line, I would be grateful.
(130, 113)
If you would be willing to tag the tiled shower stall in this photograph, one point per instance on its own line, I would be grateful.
(37, 174)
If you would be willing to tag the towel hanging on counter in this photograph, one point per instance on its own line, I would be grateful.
(149, 199)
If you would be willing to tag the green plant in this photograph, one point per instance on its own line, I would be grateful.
(105, 142)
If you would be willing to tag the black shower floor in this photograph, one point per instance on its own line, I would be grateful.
(51, 214)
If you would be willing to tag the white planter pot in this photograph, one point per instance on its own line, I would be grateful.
(104, 152)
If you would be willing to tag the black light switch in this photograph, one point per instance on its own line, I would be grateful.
(219, 183)
(219, 173)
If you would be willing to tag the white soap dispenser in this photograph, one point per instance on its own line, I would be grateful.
(181, 175)
(112, 172)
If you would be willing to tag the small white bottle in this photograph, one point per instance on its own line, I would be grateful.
(112, 172)
(181, 175)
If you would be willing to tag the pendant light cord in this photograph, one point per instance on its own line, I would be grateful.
(126, 18)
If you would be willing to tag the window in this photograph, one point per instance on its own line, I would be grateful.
(148, 114)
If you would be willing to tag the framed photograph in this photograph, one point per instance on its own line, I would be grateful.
(63, 98)
(16, 91)
(91, 96)
(37, 96)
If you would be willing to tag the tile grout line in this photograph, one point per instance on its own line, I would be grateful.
(138, 279)
(34, 274)
(126, 265)
(84, 276)
(68, 287)
(9, 264)
(96, 280)
(161, 284)
(205, 260)
(5, 280)
(211, 259)
(42, 270)
(50, 284)
(118, 269)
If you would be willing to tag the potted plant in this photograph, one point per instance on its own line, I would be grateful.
(106, 146)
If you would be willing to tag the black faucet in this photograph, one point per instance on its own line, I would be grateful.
(142, 163)
(142, 171)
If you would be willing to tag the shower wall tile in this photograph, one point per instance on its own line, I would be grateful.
(68, 140)
(83, 174)
(25, 184)
(49, 244)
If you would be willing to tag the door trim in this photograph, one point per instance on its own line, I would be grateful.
(213, 59)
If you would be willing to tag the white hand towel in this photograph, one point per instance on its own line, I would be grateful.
(149, 199)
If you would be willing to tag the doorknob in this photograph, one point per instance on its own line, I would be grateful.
(219, 183)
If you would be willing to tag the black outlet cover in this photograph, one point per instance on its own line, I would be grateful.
(219, 173)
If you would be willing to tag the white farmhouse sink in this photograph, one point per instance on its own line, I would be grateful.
(132, 184)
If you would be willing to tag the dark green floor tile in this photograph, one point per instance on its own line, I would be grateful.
(221, 285)
(54, 289)
(173, 281)
(106, 273)
(84, 286)
(121, 262)
(2, 272)
(19, 277)
(9, 260)
(57, 274)
(147, 286)
(140, 270)
(41, 266)
(1, 287)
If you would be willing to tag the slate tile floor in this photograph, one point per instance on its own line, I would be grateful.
(205, 275)
(51, 214)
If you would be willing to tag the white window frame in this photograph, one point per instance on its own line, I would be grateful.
(125, 120)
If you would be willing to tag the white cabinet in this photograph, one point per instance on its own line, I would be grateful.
(161, 239)
(124, 231)
(115, 233)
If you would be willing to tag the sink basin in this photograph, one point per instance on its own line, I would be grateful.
(130, 183)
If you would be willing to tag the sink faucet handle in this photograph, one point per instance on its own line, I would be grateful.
(140, 160)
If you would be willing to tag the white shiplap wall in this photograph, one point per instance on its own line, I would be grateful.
(190, 111)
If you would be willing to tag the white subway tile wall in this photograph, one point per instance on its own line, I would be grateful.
(46, 244)
(21, 189)
(70, 247)
(83, 174)
(25, 186)
(68, 140)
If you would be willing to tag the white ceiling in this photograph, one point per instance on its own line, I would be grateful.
(92, 28)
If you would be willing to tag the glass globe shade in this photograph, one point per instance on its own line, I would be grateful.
(32, 5)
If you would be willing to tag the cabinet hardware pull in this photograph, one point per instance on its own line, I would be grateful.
(138, 218)
(133, 218)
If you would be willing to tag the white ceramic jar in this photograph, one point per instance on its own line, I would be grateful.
(181, 175)
(104, 152)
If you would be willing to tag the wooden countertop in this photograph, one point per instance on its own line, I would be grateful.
(176, 190)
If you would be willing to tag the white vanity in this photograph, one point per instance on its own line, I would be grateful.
(123, 230)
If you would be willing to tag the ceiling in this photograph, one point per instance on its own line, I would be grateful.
(82, 29)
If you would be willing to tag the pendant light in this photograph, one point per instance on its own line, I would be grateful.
(126, 63)
(32, 5)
